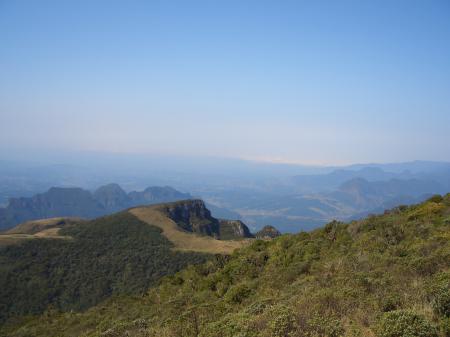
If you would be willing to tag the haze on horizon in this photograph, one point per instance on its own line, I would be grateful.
(320, 82)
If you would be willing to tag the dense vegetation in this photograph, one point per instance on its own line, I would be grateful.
(386, 276)
(112, 255)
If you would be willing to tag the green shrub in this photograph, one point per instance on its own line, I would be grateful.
(390, 302)
(440, 294)
(321, 326)
(404, 323)
(256, 308)
(445, 327)
(233, 325)
(282, 323)
(238, 293)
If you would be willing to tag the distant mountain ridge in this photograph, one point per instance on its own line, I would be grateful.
(344, 194)
(77, 202)
(291, 197)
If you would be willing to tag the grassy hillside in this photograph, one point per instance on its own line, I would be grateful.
(113, 255)
(386, 276)
(37, 229)
(36, 226)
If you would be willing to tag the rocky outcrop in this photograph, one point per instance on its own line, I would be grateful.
(268, 232)
(232, 229)
(193, 216)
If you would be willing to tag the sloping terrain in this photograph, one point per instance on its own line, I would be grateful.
(113, 255)
(37, 226)
(34, 229)
(123, 253)
(386, 276)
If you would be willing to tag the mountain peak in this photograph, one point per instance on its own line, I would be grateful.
(111, 187)
(111, 196)
(268, 232)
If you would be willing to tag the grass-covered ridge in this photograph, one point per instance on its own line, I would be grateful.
(181, 239)
(384, 276)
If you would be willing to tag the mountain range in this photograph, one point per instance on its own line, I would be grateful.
(290, 197)
(77, 202)
(306, 201)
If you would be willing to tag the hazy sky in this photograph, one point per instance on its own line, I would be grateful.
(300, 81)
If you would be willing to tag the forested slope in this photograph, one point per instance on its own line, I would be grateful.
(112, 255)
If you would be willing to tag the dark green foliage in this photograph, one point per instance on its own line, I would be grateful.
(445, 327)
(238, 293)
(111, 255)
(390, 302)
(403, 323)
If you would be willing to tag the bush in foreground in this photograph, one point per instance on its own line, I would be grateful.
(405, 323)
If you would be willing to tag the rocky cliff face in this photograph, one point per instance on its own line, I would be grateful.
(193, 216)
(233, 229)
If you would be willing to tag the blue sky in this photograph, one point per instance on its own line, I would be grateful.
(323, 82)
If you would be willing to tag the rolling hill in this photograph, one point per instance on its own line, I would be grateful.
(71, 264)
